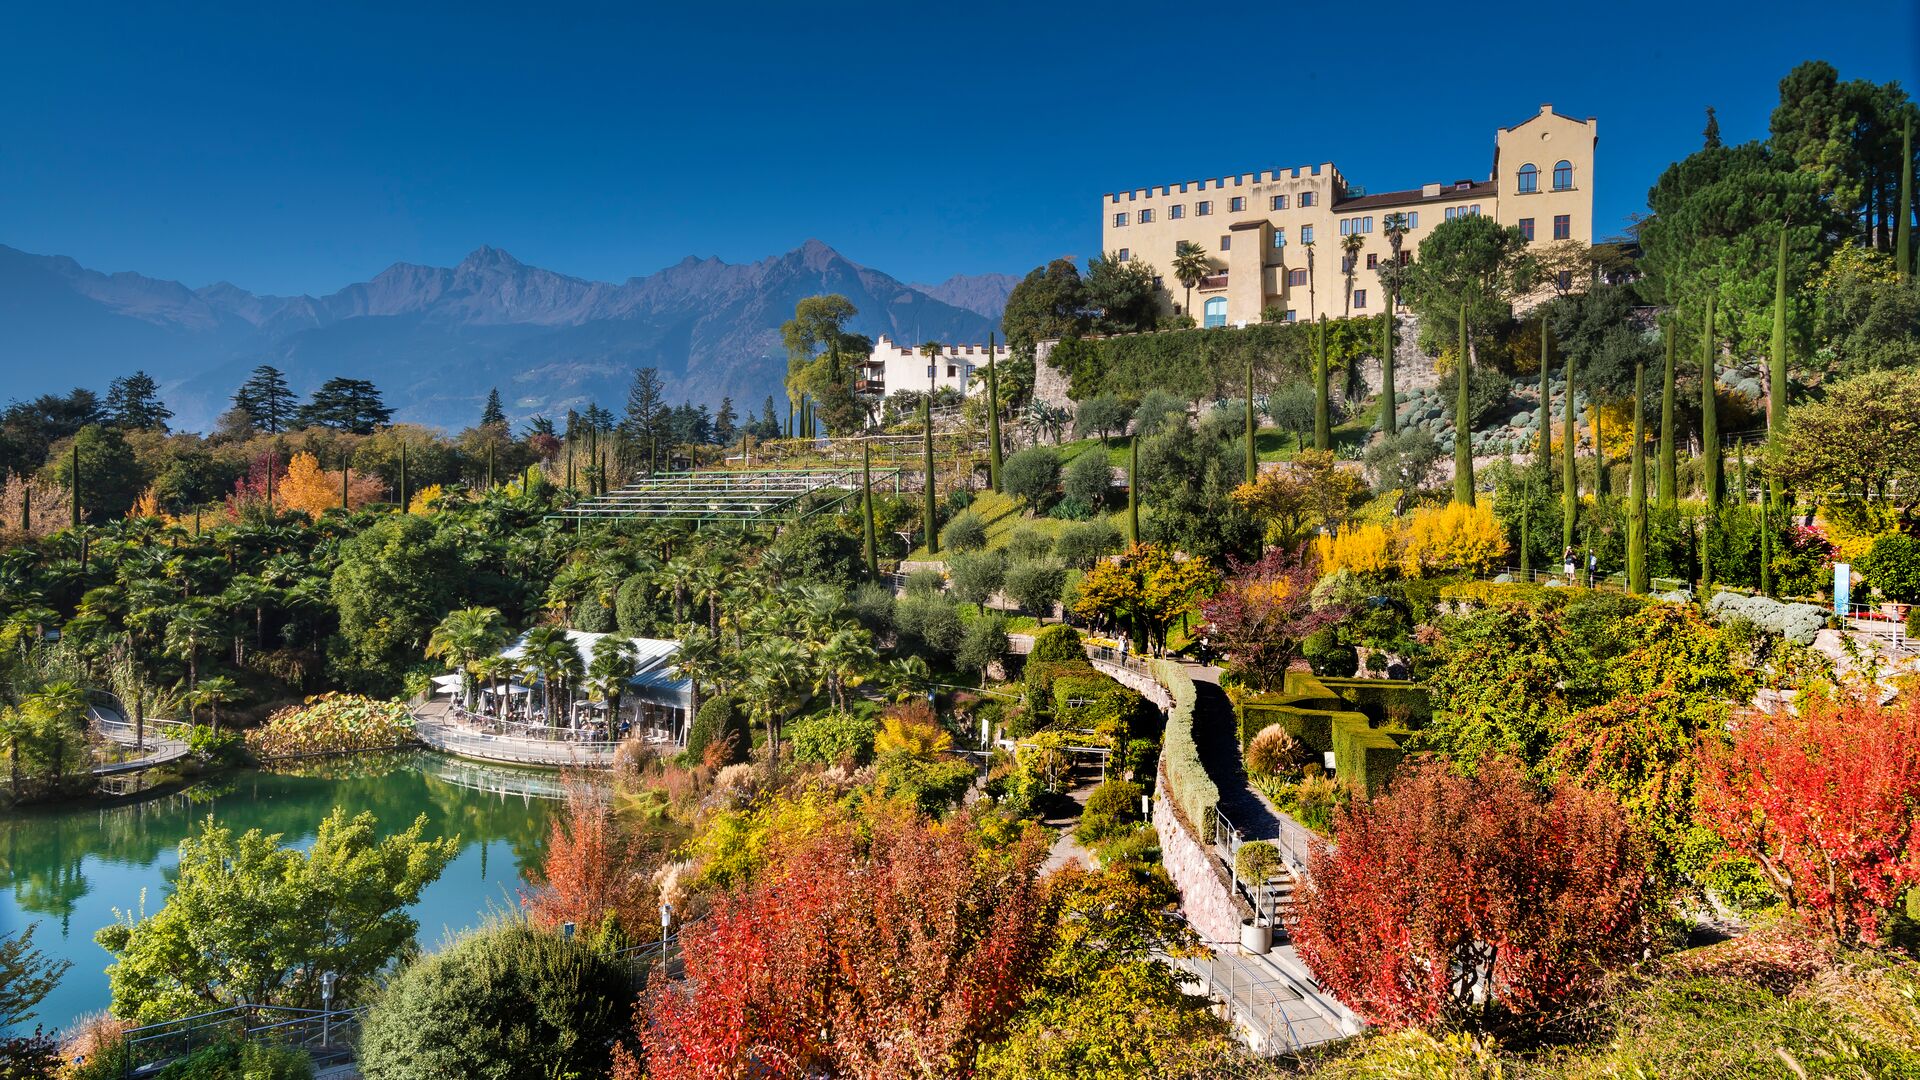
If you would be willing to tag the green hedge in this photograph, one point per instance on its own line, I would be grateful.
(1341, 716)
(1386, 701)
(1207, 363)
(1193, 791)
(1109, 708)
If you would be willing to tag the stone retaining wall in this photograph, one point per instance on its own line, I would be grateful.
(1204, 894)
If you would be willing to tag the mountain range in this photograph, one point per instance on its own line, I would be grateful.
(436, 339)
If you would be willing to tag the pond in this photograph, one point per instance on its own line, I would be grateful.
(67, 868)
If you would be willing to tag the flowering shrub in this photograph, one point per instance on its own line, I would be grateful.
(332, 724)
(1366, 550)
(1450, 539)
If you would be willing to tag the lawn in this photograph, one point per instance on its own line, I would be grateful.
(1004, 514)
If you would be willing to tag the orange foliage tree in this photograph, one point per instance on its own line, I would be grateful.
(592, 871)
(308, 487)
(894, 953)
(1827, 802)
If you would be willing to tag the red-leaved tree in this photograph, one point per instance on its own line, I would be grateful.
(1263, 612)
(592, 871)
(1454, 898)
(894, 954)
(1827, 802)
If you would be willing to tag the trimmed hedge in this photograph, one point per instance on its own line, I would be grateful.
(1193, 791)
(1322, 714)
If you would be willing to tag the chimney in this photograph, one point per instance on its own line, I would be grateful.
(1546, 107)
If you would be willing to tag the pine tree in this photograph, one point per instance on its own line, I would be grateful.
(1666, 495)
(1711, 136)
(133, 402)
(265, 398)
(769, 420)
(648, 413)
(493, 413)
(1322, 415)
(343, 404)
(1777, 371)
(1637, 489)
(1390, 401)
(724, 423)
(929, 519)
(1545, 461)
(1903, 230)
(1462, 419)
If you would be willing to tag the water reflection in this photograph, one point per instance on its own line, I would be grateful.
(69, 868)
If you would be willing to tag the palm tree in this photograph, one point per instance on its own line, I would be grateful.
(493, 669)
(907, 677)
(550, 652)
(463, 637)
(841, 659)
(191, 624)
(1351, 244)
(931, 350)
(1047, 419)
(699, 659)
(612, 668)
(710, 584)
(215, 692)
(776, 667)
(1190, 265)
(682, 578)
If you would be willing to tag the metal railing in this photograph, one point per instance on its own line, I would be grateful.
(513, 749)
(1254, 1002)
(326, 1035)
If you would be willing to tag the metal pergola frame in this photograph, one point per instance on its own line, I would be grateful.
(744, 495)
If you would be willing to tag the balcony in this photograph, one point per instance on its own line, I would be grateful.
(1212, 283)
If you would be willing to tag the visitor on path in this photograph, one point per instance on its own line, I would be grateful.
(1566, 562)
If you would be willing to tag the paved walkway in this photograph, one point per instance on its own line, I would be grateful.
(1217, 735)
(436, 726)
(1066, 850)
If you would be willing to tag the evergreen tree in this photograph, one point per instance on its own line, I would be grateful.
(1709, 416)
(1637, 490)
(540, 425)
(769, 420)
(493, 413)
(1569, 479)
(1389, 400)
(597, 420)
(1133, 491)
(1545, 461)
(1253, 457)
(869, 546)
(994, 460)
(724, 423)
(929, 521)
(345, 405)
(1903, 227)
(1462, 417)
(265, 398)
(1667, 495)
(1777, 370)
(133, 403)
(648, 414)
(1711, 136)
(1322, 412)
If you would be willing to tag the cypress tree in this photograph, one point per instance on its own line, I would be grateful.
(1253, 458)
(1903, 231)
(1637, 489)
(76, 482)
(489, 466)
(1766, 552)
(1389, 401)
(1546, 399)
(1526, 532)
(1602, 483)
(789, 414)
(1667, 496)
(1322, 419)
(569, 465)
(866, 486)
(1740, 474)
(403, 476)
(928, 520)
(346, 472)
(594, 476)
(26, 506)
(1462, 422)
(1777, 372)
(1133, 490)
(1569, 476)
(993, 418)
(1710, 475)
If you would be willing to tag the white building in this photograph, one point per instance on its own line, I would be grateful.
(893, 367)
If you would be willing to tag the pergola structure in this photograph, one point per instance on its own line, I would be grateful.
(746, 496)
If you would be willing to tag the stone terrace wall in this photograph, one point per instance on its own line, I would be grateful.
(1204, 893)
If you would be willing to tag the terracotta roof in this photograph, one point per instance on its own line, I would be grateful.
(1414, 197)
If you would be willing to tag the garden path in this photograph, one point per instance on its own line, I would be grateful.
(1068, 851)
(1217, 736)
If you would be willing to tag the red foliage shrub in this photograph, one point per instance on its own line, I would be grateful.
(891, 955)
(592, 870)
(1828, 804)
(1451, 896)
(1263, 612)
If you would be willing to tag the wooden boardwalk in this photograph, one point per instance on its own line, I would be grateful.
(164, 740)
(437, 726)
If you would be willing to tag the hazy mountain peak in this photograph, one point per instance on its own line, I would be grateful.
(488, 257)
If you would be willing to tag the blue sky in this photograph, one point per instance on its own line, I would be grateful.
(300, 150)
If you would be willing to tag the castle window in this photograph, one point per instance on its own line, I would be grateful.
(1203, 208)
(1413, 220)
(1146, 216)
(1237, 204)
(1562, 226)
(1306, 198)
(1306, 234)
(1529, 178)
(1564, 280)
(1120, 219)
(1216, 312)
(1280, 238)
(1373, 261)
(1526, 228)
(1123, 254)
(1563, 176)
(1359, 298)
(1176, 212)
(1279, 202)
(1296, 278)
(1226, 243)
(1292, 315)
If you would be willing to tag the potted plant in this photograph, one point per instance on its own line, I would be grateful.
(1256, 863)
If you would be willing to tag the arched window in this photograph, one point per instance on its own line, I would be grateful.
(1563, 176)
(1529, 178)
(1216, 312)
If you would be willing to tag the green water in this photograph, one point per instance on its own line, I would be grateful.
(68, 868)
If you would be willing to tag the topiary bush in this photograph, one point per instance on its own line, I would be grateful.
(1057, 644)
(505, 1003)
(966, 532)
(1893, 566)
(718, 718)
(1109, 808)
(590, 616)
(1327, 656)
(831, 737)
(1256, 861)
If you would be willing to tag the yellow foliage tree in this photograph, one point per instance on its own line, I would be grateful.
(1455, 538)
(1366, 550)
(310, 488)
(426, 500)
(147, 506)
